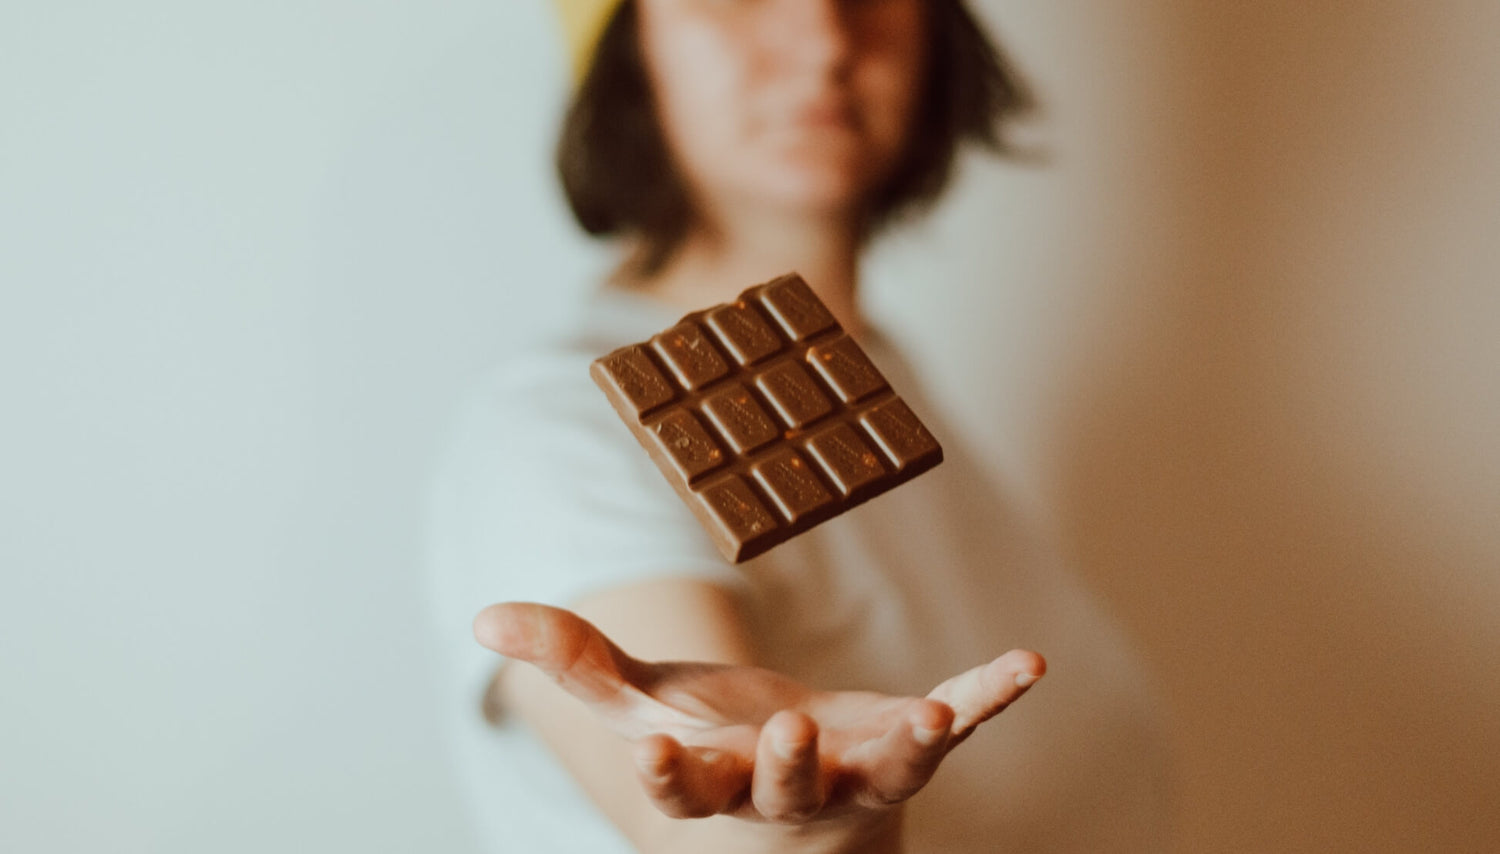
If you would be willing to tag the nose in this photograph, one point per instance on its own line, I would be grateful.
(819, 35)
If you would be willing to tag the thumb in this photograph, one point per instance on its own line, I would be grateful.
(979, 694)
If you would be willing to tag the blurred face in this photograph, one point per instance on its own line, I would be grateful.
(796, 106)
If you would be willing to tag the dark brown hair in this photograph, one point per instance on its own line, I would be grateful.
(617, 171)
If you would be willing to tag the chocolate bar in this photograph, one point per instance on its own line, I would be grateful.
(765, 416)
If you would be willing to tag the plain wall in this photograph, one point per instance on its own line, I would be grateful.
(1246, 343)
(1237, 339)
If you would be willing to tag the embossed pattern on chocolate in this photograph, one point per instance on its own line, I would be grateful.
(765, 417)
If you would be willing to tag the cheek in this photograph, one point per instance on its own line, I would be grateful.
(888, 99)
(890, 79)
(698, 80)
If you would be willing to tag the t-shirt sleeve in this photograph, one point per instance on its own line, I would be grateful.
(543, 495)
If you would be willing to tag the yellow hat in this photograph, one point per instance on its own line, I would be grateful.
(583, 23)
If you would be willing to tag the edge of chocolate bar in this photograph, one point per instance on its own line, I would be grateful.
(764, 416)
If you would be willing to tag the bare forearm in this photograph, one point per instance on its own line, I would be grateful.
(601, 762)
(703, 626)
(783, 766)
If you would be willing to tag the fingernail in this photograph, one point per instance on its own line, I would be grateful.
(1025, 680)
(927, 737)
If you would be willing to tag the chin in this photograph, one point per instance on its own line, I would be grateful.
(813, 189)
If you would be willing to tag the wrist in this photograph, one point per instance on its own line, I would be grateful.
(864, 833)
(877, 833)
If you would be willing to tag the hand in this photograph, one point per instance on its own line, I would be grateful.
(714, 739)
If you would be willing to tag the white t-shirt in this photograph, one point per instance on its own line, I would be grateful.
(544, 495)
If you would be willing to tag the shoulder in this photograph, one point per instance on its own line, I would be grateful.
(533, 393)
(535, 432)
(550, 382)
(542, 493)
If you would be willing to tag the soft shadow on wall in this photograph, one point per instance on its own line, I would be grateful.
(1287, 478)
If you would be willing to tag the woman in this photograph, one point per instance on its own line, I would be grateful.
(814, 691)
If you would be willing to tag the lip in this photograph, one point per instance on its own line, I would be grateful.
(825, 113)
(824, 116)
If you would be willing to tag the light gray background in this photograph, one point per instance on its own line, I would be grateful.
(1237, 344)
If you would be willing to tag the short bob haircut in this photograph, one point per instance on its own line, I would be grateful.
(620, 181)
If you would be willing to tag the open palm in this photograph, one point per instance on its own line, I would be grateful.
(749, 742)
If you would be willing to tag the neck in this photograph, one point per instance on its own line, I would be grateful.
(714, 266)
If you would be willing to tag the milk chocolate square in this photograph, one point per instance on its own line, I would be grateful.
(765, 417)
